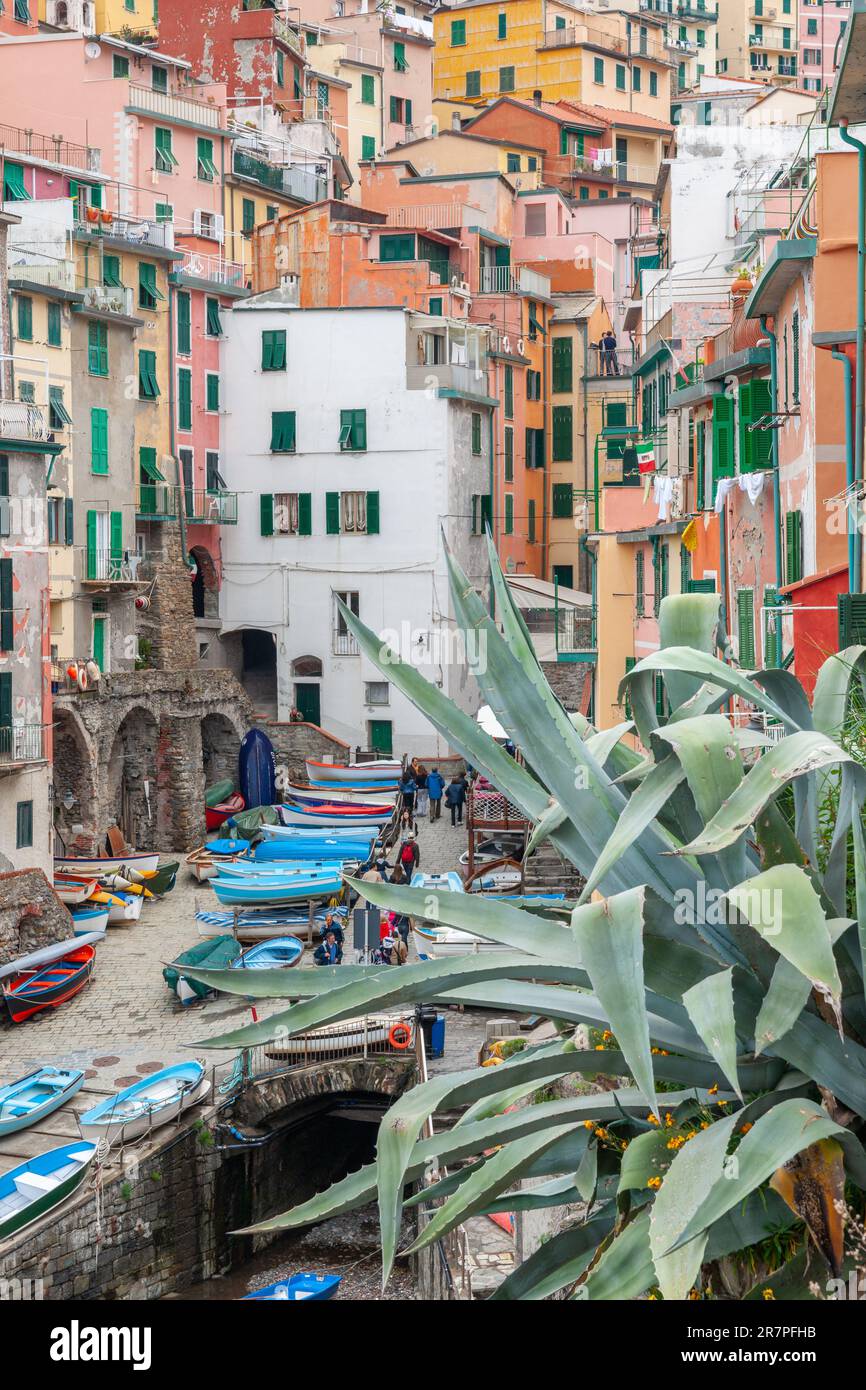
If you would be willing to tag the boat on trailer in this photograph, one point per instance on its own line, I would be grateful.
(146, 1105)
(36, 1095)
(41, 1184)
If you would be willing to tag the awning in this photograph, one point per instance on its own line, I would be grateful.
(59, 411)
(149, 468)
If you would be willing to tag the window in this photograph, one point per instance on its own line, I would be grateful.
(368, 147)
(563, 500)
(509, 392)
(159, 79)
(753, 406)
(473, 83)
(476, 432)
(163, 212)
(397, 248)
(509, 514)
(598, 71)
(26, 392)
(723, 439)
(322, 95)
(400, 64)
(120, 66)
(274, 350)
(213, 323)
(206, 170)
(793, 547)
(24, 825)
(512, 163)
(14, 189)
(746, 628)
(458, 33)
(639, 584)
(795, 357)
(635, 79)
(164, 159)
(435, 306)
(506, 79)
(111, 272)
(352, 513)
(98, 440)
(184, 398)
(660, 564)
(368, 89)
(212, 392)
(283, 432)
(7, 635)
(148, 388)
(377, 693)
(562, 364)
(653, 84)
(61, 521)
(530, 522)
(184, 323)
(482, 513)
(534, 448)
(501, 26)
(400, 111)
(97, 349)
(148, 293)
(286, 514)
(248, 215)
(619, 77)
(25, 319)
(562, 434)
(54, 326)
(509, 453)
(58, 415)
(353, 429)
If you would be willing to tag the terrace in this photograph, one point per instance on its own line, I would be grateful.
(53, 149)
(174, 107)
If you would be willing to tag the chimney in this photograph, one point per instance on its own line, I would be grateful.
(536, 97)
(456, 123)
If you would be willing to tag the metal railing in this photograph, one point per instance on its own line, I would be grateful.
(290, 36)
(343, 644)
(204, 267)
(604, 362)
(57, 275)
(105, 566)
(20, 420)
(249, 166)
(52, 148)
(434, 216)
(139, 231)
(497, 279)
(21, 743)
(174, 107)
(532, 282)
(211, 507)
(367, 1036)
(633, 45)
(773, 38)
(156, 501)
(109, 299)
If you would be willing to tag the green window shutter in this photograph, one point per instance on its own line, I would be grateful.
(97, 349)
(509, 454)
(620, 77)
(630, 663)
(473, 83)
(400, 63)
(700, 462)
(148, 387)
(393, 109)
(685, 569)
(755, 445)
(531, 522)
(562, 364)
(248, 216)
(14, 188)
(509, 392)
(353, 430)
(435, 306)
(212, 390)
(332, 513)
(486, 511)
(506, 79)
(283, 432)
(476, 432)
(397, 248)
(509, 514)
(206, 170)
(563, 447)
(213, 325)
(746, 627)
(598, 70)
(25, 319)
(368, 89)
(458, 33)
(148, 293)
(372, 513)
(91, 559)
(4, 475)
(116, 536)
(69, 520)
(98, 440)
(368, 147)
(793, 547)
(723, 438)
(55, 336)
(7, 636)
(852, 620)
(164, 157)
(111, 272)
(305, 513)
(184, 322)
(639, 587)
(184, 398)
(501, 26)
(266, 513)
(772, 630)
(795, 356)
(563, 500)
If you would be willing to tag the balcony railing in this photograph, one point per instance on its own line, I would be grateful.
(156, 502)
(678, 45)
(290, 36)
(497, 279)
(635, 44)
(248, 166)
(138, 231)
(442, 272)
(101, 566)
(410, 24)
(434, 216)
(52, 148)
(773, 39)
(173, 107)
(214, 268)
(109, 299)
(210, 507)
(531, 282)
(343, 644)
(20, 420)
(56, 275)
(602, 363)
(21, 743)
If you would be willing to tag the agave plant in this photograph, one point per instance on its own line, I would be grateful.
(709, 947)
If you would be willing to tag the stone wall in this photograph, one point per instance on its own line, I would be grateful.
(294, 743)
(570, 681)
(31, 914)
(169, 624)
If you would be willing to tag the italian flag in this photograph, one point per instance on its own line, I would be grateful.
(646, 456)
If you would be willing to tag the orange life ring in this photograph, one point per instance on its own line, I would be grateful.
(400, 1036)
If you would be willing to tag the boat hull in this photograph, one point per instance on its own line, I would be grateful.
(233, 892)
(359, 774)
(31, 1098)
(280, 953)
(214, 816)
(112, 1121)
(257, 769)
(96, 868)
(24, 1216)
(338, 791)
(437, 943)
(299, 1288)
(30, 992)
(122, 914)
(326, 816)
(89, 919)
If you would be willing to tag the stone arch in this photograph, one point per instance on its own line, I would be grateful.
(131, 777)
(308, 667)
(220, 742)
(205, 585)
(76, 805)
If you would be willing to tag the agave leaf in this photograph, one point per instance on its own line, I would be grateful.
(640, 810)
(710, 1006)
(791, 1283)
(625, 1269)
(484, 1186)
(752, 1221)
(788, 995)
(610, 941)
(558, 1262)
(775, 1138)
(851, 796)
(279, 984)
(706, 748)
(558, 1192)
(586, 1177)
(709, 668)
(860, 889)
(813, 1185)
(695, 1170)
(782, 905)
(687, 620)
(602, 744)
(833, 689)
(647, 1156)
(838, 1064)
(552, 819)
(790, 758)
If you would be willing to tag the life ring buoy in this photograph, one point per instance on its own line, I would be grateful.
(82, 678)
(400, 1036)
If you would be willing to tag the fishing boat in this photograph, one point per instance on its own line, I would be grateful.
(435, 942)
(235, 892)
(257, 771)
(32, 988)
(337, 791)
(259, 925)
(95, 867)
(73, 891)
(298, 1287)
(87, 919)
(371, 817)
(34, 1096)
(203, 862)
(497, 881)
(215, 953)
(359, 774)
(218, 792)
(41, 1184)
(352, 1035)
(311, 832)
(311, 851)
(214, 816)
(146, 1105)
(258, 870)
(281, 953)
(124, 909)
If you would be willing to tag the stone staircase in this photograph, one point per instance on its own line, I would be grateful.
(547, 872)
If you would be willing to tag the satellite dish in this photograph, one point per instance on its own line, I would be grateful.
(92, 50)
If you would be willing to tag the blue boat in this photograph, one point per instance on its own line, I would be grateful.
(89, 919)
(333, 850)
(257, 769)
(33, 1097)
(146, 1105)
(278, 954)
(42, 1183)
(298, 1287)
(237, 892)
(227, 847)
(271, 868)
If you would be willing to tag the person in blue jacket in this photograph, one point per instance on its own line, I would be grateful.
(455, 795)
(435, 788)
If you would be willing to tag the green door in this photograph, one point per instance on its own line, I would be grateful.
(308, 702)
(381, 736)
(99, 642)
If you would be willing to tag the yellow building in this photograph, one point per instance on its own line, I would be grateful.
(758, 39)
(491, 48)
(461, 152)
(340, 56)
(139, 16)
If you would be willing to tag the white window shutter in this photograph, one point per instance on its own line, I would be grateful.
(196, 222)
(219, 228)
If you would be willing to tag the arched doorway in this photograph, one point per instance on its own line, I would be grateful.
(219, 746)
(132, 778)
(76, 807)
(307, 692)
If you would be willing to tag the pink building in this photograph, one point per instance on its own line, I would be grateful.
(820, 30)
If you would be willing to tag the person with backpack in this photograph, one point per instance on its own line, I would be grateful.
(435, 788)
(409, 857)
(455, 796)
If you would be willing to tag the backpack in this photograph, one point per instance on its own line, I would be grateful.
(407, 856)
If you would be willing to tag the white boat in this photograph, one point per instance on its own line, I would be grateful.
(125, 911)
(146, 1105)
(373, 819)
(497, 881)
(436, 942)
(337, 791)
(133, 859)
(356, 774)
(352, 1035)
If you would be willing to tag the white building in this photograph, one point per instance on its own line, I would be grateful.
(354, 437)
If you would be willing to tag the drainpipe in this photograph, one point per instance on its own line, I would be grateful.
(584, 333)
(171, 429)
(491, 600)
(774, 447)
(861, 302)
(723, 570)
(853, 548)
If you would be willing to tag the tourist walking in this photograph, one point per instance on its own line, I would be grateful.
(330, 952)
(421, 781)
(435, 788)
(455, 796)
(409, 857)
(408, 788)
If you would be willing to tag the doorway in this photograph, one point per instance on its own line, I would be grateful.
(308, 702)
(381, 737)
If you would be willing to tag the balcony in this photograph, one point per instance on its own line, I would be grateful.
(434, 217)
(604, 366)
(343, 643)
(698, 12)
(773, 40)
(247, 166)
(574, 35)
(19, 420)
(170, 106)
(210, 507)
(216, 270)
(760, 14)
(109, 299)
(291, 181)
(497, 279)
(156, 502)
(20, 743)
(52, 148)
(532, 283)
(290, 37)
(58, 275)
(410, 24)
(138, 231)
(106, 567)
(687, 47)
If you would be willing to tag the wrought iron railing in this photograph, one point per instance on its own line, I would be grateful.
(213, 507)
(21, 743)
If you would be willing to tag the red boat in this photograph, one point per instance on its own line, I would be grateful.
(47, 986)
(215, 815)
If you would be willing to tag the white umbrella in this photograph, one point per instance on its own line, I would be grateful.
(489, 723)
